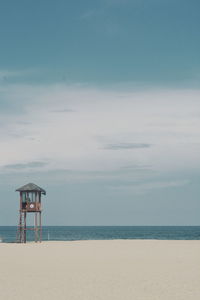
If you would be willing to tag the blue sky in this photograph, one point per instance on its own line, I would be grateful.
(102, 41)
(99, 104)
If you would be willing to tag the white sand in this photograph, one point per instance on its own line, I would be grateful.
(103, 270)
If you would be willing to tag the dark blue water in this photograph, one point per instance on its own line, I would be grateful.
(72, 233)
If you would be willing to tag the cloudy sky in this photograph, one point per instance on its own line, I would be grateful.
(100, 106)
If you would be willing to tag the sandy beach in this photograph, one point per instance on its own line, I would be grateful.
(103, 270)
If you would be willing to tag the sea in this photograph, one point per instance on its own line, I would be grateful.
(75, 233)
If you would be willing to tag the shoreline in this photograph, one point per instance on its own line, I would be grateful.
(101, 240)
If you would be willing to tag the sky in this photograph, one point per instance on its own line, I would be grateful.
(100, 106)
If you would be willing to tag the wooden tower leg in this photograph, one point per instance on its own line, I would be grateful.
(35, 221)
(19, 230)
(40, 224)
(23, 239)
(25, 227)
(36, 227)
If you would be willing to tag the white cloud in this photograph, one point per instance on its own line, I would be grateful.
(70, 127)
(5, 74)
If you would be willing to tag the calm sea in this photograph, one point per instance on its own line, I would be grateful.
(72, 233)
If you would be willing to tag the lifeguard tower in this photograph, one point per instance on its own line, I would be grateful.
(30, 202)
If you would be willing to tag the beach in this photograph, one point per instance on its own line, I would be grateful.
(102, 270)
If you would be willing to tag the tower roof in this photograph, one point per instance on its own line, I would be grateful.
(31, 187)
